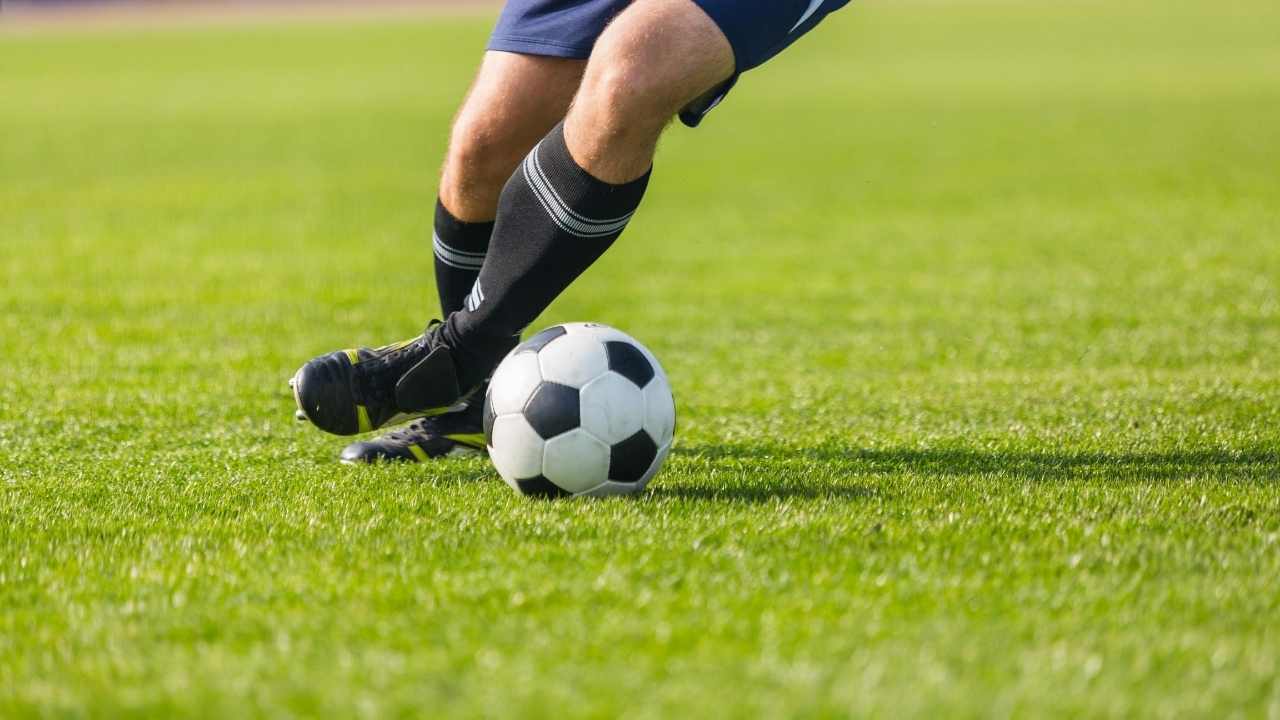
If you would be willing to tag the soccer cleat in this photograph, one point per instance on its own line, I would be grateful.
(359, 390)
(451, 434)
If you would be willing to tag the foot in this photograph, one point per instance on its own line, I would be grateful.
(450, 434)
(359, 390)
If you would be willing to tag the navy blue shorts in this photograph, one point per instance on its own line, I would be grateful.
(757, 30)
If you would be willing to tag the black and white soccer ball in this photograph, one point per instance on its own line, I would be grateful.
(579, 409)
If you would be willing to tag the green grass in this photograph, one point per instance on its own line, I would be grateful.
(972, 313)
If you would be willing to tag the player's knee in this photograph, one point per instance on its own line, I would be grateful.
(626, 88)
(478, 150)
(656, 57)
(480, 159)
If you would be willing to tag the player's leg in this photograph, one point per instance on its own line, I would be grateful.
(514, 100)
(512, 103)
(554, 219)
(571, 196)
(649, 63)
(576, 190)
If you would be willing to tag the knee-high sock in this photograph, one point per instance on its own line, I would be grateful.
(554, 221)
(459, 249)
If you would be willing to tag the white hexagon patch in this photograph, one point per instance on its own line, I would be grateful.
(573, 360)
(612, 408)
(513, 382)
(516, 450)
(576, 461)
(659, 411)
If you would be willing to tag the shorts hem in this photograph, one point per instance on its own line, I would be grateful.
(537, 46)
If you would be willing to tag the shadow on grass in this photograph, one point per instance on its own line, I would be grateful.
(771, 490)
(794, 464)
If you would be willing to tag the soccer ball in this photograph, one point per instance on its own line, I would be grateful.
(579, 409)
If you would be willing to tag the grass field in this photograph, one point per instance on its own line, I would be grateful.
(972, 312)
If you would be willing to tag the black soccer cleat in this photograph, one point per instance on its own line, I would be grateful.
(451, 434)
(359, 390)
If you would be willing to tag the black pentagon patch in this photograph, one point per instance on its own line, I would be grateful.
(553, 409)
(489, 417)
(539, 341)
(627, 360)
(629, 459)
(541, 487)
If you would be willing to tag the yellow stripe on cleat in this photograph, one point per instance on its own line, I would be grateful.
(418, 453)
(362, 419)
(353, 356)
(475, 440)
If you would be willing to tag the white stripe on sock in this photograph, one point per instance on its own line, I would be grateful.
(564, 216)
(456, 258)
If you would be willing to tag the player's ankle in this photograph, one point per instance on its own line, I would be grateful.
(475, 352)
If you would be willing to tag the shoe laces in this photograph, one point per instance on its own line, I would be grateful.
(378, 376)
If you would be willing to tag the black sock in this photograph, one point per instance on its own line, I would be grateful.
(459, 249)
(554, 221)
